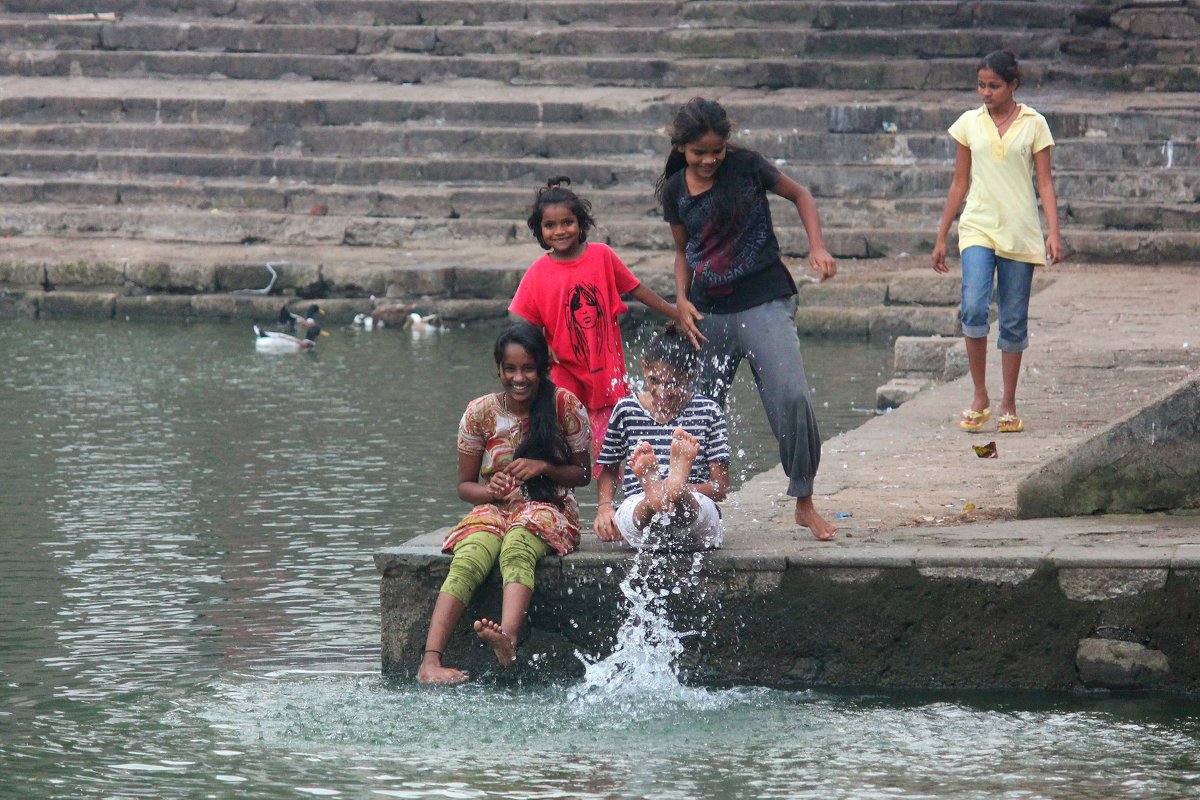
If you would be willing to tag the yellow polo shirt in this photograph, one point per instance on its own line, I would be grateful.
(1002, 210)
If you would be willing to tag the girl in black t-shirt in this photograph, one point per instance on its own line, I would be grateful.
(733, 290)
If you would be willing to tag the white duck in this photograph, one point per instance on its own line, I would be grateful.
(279, 342)
(430, 323)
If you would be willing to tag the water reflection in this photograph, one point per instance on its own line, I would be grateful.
(188, 605)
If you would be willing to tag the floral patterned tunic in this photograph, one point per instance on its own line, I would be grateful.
(487, 429)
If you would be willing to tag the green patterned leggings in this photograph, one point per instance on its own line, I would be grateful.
(474, 557)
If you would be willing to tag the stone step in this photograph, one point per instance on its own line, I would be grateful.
(796, 13)
(222, 227)
(1178, 185)
(653, 70)
(511, 203)
(394, 232)
(555, 70)
(374, 140)
(519, 37)
(47, 101)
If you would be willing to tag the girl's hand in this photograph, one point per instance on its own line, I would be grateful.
(522, 469)
(606, 523)
(939, 256)
(686, 317)
(822, 263)
(1054, 248)
(502, 485)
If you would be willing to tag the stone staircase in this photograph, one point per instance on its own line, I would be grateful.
(178, 149)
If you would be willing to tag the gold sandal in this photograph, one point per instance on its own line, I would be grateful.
(973, 420)
(1009, 423)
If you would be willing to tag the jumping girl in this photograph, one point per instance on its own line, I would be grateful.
(520, 453)
(732, 287)
(574, 294)
(1000, 146)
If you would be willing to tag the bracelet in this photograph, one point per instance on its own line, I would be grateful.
(606, 502)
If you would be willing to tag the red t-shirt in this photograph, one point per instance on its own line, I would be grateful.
(577, 304)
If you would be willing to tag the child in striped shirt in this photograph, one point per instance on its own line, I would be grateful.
(675, 446)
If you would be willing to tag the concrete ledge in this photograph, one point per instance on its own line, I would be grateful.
(1148, 460)
(889, 615)
(76, 305)
(18, 305)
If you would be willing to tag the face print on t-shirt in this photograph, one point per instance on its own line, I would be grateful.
(585, 321)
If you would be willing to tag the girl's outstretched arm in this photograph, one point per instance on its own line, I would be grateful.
(1045, 183)
(687, 315)
(819, 257)
(651, 299)
(954, 200)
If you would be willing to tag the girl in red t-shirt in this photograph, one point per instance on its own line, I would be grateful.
(574, 293)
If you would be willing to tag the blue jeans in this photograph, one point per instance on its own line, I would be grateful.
(1014, 279)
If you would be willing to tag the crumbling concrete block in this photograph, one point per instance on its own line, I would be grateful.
(898, 391)
(1113, 664)
(921, 356)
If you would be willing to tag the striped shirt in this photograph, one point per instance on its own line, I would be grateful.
(631, 423)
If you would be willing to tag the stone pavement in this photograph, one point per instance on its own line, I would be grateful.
(1105, 342)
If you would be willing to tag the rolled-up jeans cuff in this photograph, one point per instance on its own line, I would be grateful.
(1012, 347)
(976, 331)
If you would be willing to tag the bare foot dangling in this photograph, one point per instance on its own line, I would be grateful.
(807, 516)
(504, 647)
(433, 673)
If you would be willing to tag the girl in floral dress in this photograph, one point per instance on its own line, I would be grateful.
(521, 451)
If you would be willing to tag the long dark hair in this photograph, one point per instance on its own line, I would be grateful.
(556, 193)
(694, 119)
(545, 439)
(1003, 63)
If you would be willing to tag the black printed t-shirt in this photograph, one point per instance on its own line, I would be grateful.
(740, 268)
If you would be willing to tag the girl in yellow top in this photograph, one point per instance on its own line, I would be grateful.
(1000, 146)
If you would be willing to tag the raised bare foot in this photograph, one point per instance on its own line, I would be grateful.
(504, 647)
(432, 672)
(643, 463)
(807, 516)
(684, 449)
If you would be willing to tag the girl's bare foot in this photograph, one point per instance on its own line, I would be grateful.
(504, 647)
(432, 672)
(807, 516)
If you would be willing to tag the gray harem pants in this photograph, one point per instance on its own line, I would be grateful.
(765, 335)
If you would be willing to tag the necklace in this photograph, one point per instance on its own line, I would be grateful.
(1004, 121)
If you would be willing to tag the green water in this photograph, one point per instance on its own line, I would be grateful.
(188, 606)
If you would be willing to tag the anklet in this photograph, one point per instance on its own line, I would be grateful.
(427, 652)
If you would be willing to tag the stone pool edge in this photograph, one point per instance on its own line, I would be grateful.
(1053, 615)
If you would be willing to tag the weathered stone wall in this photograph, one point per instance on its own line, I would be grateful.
(885, 618)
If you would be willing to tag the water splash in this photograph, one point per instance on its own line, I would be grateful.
(641, 677)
